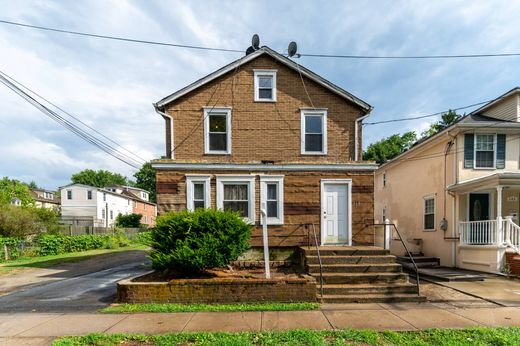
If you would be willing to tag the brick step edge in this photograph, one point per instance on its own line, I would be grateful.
(371, 298)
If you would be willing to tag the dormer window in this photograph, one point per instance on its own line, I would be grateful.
(217, 131)
(265, 85)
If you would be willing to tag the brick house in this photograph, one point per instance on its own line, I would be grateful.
(266, 133)
(140, 202)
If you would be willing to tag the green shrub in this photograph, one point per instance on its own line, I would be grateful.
(13, 247)
(144, 238)
(22, 221)
(129, 220)
(55, 244)
(190, 242)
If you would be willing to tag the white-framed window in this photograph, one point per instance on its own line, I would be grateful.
(313, 132)
(69, 194)
(103, 213)
(485, 150)
(429, 213)
(217, 131)
(89, 194)
(111, 215)
(271, 198)
(48, 195)
(144, 218)
(104, 197)
(197, 192)
(265, 85)
(237, 193)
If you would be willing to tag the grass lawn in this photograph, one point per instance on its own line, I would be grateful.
(27, 263)
(471, 336)
(130, 308)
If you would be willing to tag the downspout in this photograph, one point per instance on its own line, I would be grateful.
(167, 116)
(356, 143)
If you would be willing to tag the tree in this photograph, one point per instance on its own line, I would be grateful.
(145, 179)
(10, 188)
(389, 147)
(129, 221)
(99, 178)
(447, 119)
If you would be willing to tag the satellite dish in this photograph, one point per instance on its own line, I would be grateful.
(255, 41)
(292, 49)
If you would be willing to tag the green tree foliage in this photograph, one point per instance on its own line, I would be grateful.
(128, 221)
(10, 189)
(389, 147)
(99, 178)
(447, 119)
(190, 242)
(145, 179)
(22, 221)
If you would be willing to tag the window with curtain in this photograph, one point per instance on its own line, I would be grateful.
(217, 123)
(429, 213)
(236, 198)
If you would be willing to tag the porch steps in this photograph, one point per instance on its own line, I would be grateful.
(420, 260)
(429, 268)
(363, 274)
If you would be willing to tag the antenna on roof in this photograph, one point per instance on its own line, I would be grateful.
(255, 44)
(292, 49)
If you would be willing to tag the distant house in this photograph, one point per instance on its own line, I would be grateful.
(140, 202)
(16, 201)
(45, 198)
(456, 195)
(92, 206)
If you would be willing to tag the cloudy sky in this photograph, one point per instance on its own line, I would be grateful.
(111, 85)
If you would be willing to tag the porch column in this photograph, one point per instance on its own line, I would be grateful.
(500, 236)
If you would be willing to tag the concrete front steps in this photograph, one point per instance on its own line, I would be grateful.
(364, 274)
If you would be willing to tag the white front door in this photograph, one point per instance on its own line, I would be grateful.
(335, 221)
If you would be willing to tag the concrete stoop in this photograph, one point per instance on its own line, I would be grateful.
(353, 274)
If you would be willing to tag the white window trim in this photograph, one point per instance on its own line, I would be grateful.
(91, 195)
(190, 180)
(494, 151)
(425, 198)
(207, 111)
(270, 179)
(323, 114)
(270, 73)
(69, 198)
(237, 179)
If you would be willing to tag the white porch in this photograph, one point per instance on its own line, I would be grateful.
(487, 211)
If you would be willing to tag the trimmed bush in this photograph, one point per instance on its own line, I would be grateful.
(128, 221)
(190, 242)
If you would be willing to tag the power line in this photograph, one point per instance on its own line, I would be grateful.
(70, 126)
(70, 115)
(311, 55)
(396, 57)
(117, 38)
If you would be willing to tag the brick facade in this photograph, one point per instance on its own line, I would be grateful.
(147, 210)
(513, 262)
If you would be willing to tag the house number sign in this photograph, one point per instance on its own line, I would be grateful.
(512, 199)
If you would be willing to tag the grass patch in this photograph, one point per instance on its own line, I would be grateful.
(131, 308)
(470, 336)
(26, 263)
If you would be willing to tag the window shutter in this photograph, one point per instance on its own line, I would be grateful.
(501, 151)
(469, 141)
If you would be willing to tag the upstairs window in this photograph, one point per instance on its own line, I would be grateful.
(217, 130)
(265, 85)
(314, 132)
(69, 194)
(485, 150)
(89, 194)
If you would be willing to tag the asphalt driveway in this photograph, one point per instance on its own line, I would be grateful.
(80, 286)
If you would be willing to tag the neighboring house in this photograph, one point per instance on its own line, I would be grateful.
(16, 201)
(92, 206)
(266, 133)
(140, 202)
(45, 199)
(456, 195)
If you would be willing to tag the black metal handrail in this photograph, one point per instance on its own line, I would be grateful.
(317, 252)
(407, 252)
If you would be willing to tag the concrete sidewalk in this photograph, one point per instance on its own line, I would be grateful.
(41, 328)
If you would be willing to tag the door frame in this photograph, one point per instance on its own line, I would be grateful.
(348, 184)
(490, 202)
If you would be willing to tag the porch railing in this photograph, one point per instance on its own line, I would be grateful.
(511, 234)
(480, 232)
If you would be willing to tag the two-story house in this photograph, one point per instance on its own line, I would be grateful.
(456, 195)
(140, 202)
(45, 199)
(266, 133)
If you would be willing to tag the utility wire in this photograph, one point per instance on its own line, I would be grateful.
(71, 127)
(70, 115)
(117, 38)
(311, 55)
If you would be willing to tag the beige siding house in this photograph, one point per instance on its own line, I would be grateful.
(456, 195)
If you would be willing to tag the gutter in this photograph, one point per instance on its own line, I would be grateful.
(356, 143)
(166, 116)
